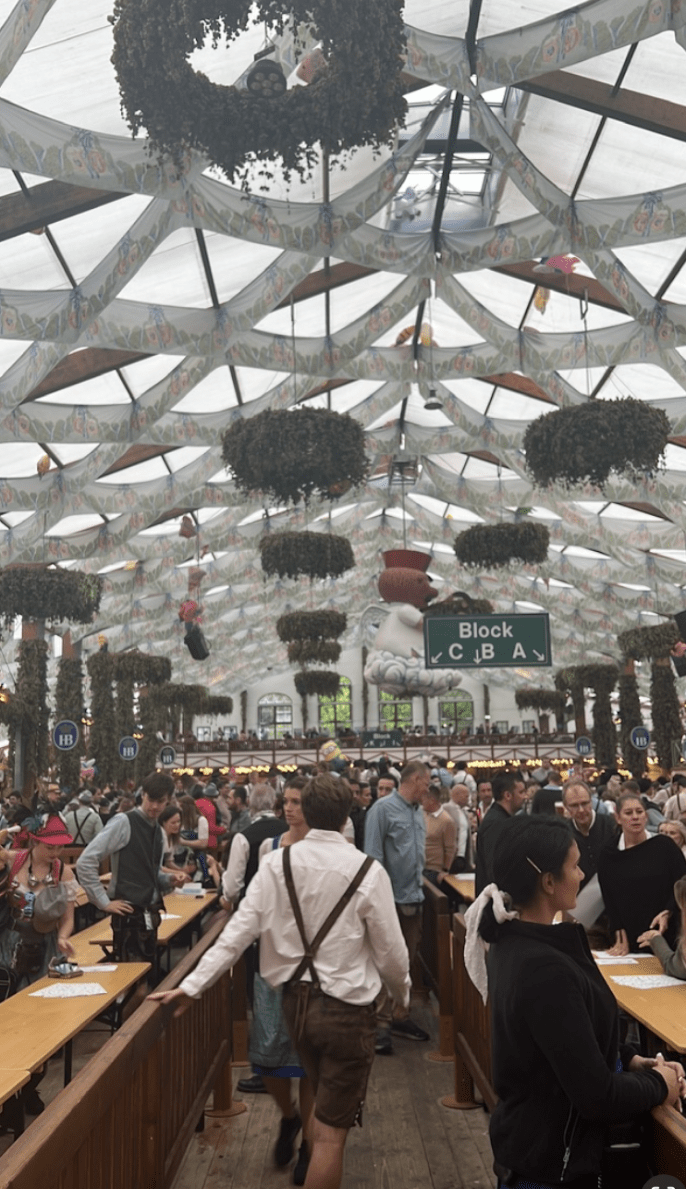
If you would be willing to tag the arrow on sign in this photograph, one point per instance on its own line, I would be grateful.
(477, 657)
(539, 655)
(435, 659)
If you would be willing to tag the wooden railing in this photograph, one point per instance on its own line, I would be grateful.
(127, 1117)
(472, 1033)
(436, 964)
(667, 1142)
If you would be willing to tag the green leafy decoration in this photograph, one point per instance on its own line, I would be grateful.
(314, 555)
(356, 98)
(305, 652)
(69, 704)
(585, 443)
(667, 729)
(490, 546)
(311, 625)
(459, 603)
(322, 682)
(36, 592)
(644, 643)
(291, 455)
(541, 700)
(631, 716)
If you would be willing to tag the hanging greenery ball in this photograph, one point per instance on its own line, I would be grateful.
(459, 603)
(311, 625)
(36, 592)
(314, 555)
(355, 96)
(644, 643)
(489, 546)
(585, 443)
(292, 455)
(307, 652)
(322, 682)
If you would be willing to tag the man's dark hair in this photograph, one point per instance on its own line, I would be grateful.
(326, 803)
(158, 785)
(631, 786)
(240, 793)
(413, 768)
(505, 783)
(388, 776)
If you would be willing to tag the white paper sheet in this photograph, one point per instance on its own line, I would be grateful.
(102, 969)
(69, 990)
(466, 875)
(605, 960)
(189, 889)
(647, 982)
(170, 916)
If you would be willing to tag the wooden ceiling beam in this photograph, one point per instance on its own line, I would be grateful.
(46, 203)
(630, 107)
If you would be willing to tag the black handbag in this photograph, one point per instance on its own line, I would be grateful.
(196, 643)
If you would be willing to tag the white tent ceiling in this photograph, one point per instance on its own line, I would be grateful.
(141, 311)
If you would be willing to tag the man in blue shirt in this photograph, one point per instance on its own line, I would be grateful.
(395, 833)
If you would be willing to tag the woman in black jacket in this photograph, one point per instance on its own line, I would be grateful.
(556, 1060)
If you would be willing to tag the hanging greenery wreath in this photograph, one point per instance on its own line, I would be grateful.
(644, 643)
(30, 706)
(36, 592)
(103, 737)
(601, 678)
(541, 700)
(459, 603)
(292, 455)
(315, 555)
(489, 546)
(665, 708)
(322, 682)
(311, 625)
(584, 443)
(631, 715)
(306, 652)
(139, 668)
(355, 98)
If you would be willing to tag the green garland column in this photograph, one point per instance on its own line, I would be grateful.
(604, 733)
(32, 699)
(102, 737)
(630, 714)
(69, 704)
(667, 729)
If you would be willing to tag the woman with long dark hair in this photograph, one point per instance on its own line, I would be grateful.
(558, 1070)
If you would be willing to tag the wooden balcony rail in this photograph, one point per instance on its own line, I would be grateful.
(472, 1033)
(127, 1117)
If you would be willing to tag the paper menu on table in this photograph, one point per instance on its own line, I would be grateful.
(605, 960)
(647, 982)
(68, 990)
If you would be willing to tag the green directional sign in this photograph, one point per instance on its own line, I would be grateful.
(487, 641)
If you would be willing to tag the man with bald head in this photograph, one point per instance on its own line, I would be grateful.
(456, 807)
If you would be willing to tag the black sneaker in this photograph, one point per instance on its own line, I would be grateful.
(253, 1085)
(283, 1152)
(409, 1030)
(383, 1045)
(301, 1164)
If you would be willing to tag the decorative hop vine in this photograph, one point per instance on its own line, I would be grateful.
(36, 592)
(313, 555)
(355, 98)
(490, 546)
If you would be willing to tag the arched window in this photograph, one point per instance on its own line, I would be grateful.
(456, 714)
(394, 712)
(336, 714)
(274, 716)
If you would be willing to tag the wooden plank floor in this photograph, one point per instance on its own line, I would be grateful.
(408, 1141)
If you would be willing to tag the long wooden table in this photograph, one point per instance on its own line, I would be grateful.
(33, 1030)
(661, 1010)
(183, 910)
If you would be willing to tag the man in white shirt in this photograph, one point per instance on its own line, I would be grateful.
(83, 823)
(456, 807)
(364, 947)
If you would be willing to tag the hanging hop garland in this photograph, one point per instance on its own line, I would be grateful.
(307, 652)
(355, 97)
(290, 456)
(321, 682)
(585, 443)
(459, 603)
(49, 594)
(312, 555)
(542, 700)
(489, 546)
(311, 625)
(644, 643)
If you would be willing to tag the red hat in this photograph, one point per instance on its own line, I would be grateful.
(53, 833)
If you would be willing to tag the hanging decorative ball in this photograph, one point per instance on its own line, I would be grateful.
(564, 264)
(188, 610)
(426, 335)
(541, 299)
(43, 465)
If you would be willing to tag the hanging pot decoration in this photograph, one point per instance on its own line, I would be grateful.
(586, 443)
(490, 546)
(312, 555)
(291, 455)
(38, 592)
(321, 682)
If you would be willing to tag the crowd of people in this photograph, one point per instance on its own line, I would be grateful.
(330, 934)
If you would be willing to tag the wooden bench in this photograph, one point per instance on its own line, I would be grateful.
(127, 1117)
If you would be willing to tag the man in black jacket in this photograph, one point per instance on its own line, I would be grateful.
(592, 831)
(508, 798)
